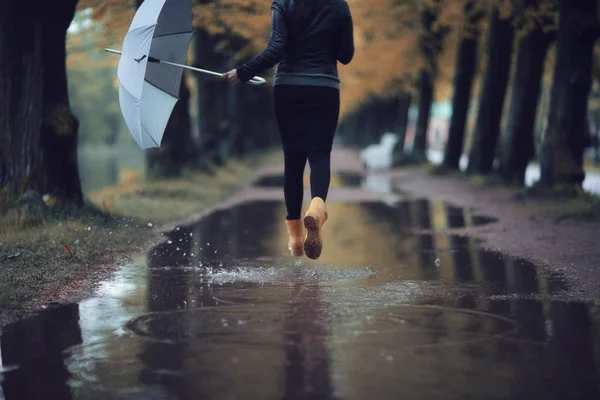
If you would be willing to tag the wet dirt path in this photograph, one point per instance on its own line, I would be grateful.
(396, 307)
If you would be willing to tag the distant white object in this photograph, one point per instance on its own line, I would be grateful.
(377, 183)
(379, 156)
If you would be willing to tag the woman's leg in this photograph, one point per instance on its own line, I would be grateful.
(320, 173)
(293, 186)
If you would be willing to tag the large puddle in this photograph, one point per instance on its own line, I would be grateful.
(397, 307)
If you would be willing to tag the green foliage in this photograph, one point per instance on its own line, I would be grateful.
(94, 99)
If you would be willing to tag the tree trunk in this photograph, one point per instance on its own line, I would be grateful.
(212, 100)
(518, 147)
(391, 113)
(425, 100)
(561, 155)
(430, 45)
(178, 147)
(361, 126)
(596, 116)
(113, 124)
(493, 92)
(38, 131)
(234, 145)
(401, 126)
(376, 123)
(466, 66)
(256, 117)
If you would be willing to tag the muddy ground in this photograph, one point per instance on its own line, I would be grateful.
(52, 256)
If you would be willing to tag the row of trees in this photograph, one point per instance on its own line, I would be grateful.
(531, 27)
(39, 132)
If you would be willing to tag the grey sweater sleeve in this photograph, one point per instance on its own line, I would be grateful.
(274, 51)
(346, 49)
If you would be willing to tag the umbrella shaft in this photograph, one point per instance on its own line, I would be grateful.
(254, 81)
(205, 71)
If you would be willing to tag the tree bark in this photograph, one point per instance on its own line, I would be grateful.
(430, 45)
(257, 126)
(376, 120)
(491, 101)
(361, 126)
(178, 148)
(466, 66)
(561, 155)
(518, 146)
(425, 100)
(401, 126)
(212, 99)
(390, 111)
(38, 131)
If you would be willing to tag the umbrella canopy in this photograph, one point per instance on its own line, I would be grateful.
(148, 88)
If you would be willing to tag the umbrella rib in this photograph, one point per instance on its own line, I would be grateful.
(150, 136)
(172, 34)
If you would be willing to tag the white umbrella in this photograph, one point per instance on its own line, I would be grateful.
(151, 67)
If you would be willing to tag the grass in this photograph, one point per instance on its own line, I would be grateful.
(49, 254)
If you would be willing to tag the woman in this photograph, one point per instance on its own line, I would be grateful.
(308, 38)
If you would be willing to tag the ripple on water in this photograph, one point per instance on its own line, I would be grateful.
(419, 326)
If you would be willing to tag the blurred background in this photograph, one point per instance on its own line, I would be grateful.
(416, 62)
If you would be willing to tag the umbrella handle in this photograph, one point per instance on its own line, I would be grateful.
(256, 81)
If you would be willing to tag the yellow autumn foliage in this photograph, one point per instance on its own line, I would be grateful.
(386, 37)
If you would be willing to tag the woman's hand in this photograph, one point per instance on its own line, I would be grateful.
(231, 76)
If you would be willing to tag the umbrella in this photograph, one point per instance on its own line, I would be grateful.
(151, 67)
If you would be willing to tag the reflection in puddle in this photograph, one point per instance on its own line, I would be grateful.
(338, 179)
(34, 346)
(396, 305)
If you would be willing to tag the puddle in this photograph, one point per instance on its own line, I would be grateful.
(423, 214)
(396, 307)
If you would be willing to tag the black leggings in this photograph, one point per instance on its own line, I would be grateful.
(293, 187)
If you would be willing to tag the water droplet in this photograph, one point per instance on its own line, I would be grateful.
(169, 242)
(89, 228)
(191, 234)
(177, 228)
(177, 249)
(390, 358)
(185, 254)
(150, 224)
(207, 243)
(438, 262)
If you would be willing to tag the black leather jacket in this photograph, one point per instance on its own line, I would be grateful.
(307, 50)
